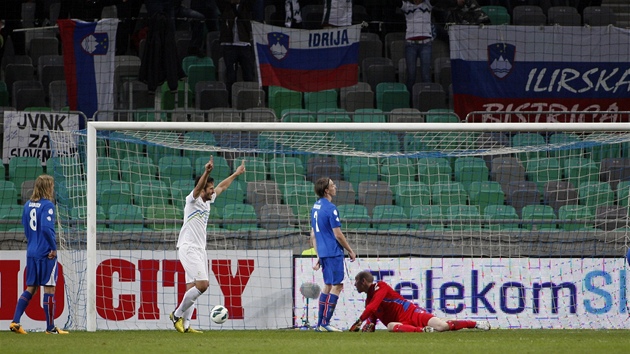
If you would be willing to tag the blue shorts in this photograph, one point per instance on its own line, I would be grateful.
(332, 268)
(41, 271)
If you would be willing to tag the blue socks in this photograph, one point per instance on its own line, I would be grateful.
(332, 303)
(323, 299)
(49, 309)
(25, 298)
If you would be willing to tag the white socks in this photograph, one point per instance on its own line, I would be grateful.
(188, 301)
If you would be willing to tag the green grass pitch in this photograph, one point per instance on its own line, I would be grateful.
(292, 341)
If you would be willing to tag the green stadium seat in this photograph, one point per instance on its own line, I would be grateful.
(373, 193)
(8, 193)
(448, 194)
(112, 193)
(333, 117)
(579, 169)
(522, 193)
(594, 194)
(623, 194)
(486, 193)
(471, 169)
(369, 115)
(281, 98)
(146, 194)
(398, 173)
(198, 139)
(598, 153)
(358, 173)
(543, 170)
(427, 218)
(463, 218)
(255, 169)
(24, 169)
(391, 95)
(63, 167)
(3, 172)
(580, 216)
(201, 72)
(179, 190)
(125, 213)
(134, 169)
(301, 197)
(434, 170)
(354, 216)
(234, 194)
(386, 214)
(79, 215)
(239, 217)
(494, 214)
(190, 60)
(565, 146)
(122, 146)
(440, 115)
(167, 217)
(380, 141)
(175, 168)
(156, 152)
(525, 140)
(11, 215)
(71, 195)
(168, 98)
(532, 214)
(286, 170)
(314, 101)
(412, 194)
(220, 171)
(298, 115)
(498, 14)
(148, 115)
(413, 143)
(559, 193)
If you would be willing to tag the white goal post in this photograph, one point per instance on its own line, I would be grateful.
(95, 126)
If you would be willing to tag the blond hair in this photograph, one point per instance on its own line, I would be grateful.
(44, 188)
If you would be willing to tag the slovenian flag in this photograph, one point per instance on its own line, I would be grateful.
(305, 61)
(88, 55)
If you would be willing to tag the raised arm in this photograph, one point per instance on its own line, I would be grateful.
(201, 184)
(226, 182)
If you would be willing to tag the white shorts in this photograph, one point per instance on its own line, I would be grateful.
(195, 263)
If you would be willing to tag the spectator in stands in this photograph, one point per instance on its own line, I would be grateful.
(329, 243)
(337, 13)
(399, 314)
(191, 243)
(293, 14)
(208, 8)
(11, 14)
(419, 36)
(38, 220)
(236, 39)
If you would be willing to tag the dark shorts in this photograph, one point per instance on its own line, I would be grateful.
(332, 268)
(41, 271)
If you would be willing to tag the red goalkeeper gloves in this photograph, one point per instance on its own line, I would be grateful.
(356, 326)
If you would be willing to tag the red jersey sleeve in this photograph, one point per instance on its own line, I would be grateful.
(376, 294)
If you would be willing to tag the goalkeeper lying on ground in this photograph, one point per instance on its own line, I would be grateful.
(399, 314)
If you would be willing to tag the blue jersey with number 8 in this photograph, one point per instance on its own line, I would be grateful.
(38, 219)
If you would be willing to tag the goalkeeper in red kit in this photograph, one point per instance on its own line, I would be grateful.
(399, 314)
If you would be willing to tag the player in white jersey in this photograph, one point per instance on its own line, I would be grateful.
(337, 13)
(191, 244)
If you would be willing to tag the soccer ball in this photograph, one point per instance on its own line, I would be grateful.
(219, 314)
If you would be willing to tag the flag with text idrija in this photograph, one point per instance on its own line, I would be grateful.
(307, 60)
(88, 55)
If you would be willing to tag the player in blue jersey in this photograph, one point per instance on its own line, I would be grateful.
(329, 243)
(38, 220)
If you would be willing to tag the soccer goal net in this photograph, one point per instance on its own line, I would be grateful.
(524, 225)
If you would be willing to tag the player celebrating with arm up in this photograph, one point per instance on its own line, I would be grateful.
(399, 314)
(191, 244)
(329, 243)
